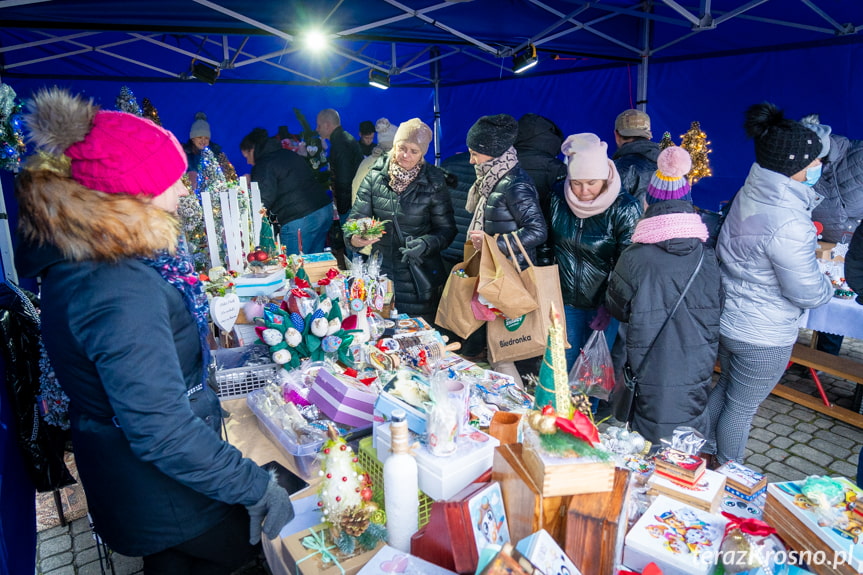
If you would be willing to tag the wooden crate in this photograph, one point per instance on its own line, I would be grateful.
(527, 510)
(596, 525)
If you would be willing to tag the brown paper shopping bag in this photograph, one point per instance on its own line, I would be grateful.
(500, 281)
(454, 312)
(525, 336)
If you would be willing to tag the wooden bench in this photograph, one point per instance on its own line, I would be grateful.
(835, 365)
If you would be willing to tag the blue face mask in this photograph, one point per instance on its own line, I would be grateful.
(813, 174)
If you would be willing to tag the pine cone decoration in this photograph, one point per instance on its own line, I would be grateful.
(355, 521)
(580, 402)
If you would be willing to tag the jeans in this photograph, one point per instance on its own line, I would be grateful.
(314, 228)
(578, 331)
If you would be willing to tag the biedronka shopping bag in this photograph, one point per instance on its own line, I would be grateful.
(501, 282)
(524, 336)
(454, 311)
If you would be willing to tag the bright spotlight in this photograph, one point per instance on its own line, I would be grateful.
(315, 40)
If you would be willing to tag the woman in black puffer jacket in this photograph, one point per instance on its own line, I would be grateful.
(503, 200)
(591, 224)
(413, 195)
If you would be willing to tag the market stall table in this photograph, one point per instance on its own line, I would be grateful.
(244, 434)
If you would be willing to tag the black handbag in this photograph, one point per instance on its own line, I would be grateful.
(625, 392)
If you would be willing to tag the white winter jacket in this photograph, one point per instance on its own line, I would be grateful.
(766, 249)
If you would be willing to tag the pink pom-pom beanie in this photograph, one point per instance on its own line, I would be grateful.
(125, 154)
(669, 182)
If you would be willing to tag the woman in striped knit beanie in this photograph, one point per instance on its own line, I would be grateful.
(675, 377)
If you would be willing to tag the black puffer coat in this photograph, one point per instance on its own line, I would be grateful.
(289, 188)
(345, 158)
(674, 381)
(587, 249)
(424, 211)
(841, 184)
(538, 147)
(636, 163)
(459, 166)
(513, 207)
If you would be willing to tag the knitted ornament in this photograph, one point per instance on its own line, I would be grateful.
(493, 135)
(386, 133)
(669, 182)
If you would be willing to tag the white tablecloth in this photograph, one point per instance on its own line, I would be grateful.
(838, 316)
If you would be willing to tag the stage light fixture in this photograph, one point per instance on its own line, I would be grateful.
(204, 73)
(379, 79)
(315, 41)
(526, 59)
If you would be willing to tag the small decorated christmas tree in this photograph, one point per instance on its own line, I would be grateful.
(346, 498)
(666, 141)
(695, 142)
(126, 102)
(150, 111)
(553, 385)
(11, 130)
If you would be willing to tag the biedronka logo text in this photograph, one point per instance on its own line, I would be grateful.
(513, 325)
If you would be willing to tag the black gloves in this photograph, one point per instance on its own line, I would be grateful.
(413, 251)
(274, 509)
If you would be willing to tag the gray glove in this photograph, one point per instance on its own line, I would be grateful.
(413, 251)
(274, 509)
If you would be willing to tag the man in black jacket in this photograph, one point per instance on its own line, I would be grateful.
(345, 158)
(636, 155)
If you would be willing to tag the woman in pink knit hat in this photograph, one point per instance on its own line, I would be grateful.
(124, 321)
(674, 375)
(591, 224)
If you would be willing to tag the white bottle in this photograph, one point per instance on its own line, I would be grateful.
(401, 486)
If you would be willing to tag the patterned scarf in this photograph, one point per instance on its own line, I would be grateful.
(401, 178)
(179, 271)
(488, 174)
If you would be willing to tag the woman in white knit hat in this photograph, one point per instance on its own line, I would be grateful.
(591, 224)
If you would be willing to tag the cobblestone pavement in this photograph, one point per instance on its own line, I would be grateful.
(787, 442)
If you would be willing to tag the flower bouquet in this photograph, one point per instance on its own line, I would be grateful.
(367, 229)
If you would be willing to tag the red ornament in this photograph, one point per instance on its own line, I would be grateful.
(355, 459)
(344, 478)
(366, 494)
(329, 475)
(262, 256)
(327, 451)
(548, 410)
(343, 447)
(338, 497)
(251, 257)
(320, 503)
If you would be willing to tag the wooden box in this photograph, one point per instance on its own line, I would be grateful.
(596, 525)
(568, 476)
(527, 510)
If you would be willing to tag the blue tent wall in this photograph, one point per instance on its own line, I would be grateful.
(714, 91)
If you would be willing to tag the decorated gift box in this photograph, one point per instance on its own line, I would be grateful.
(408, 391)
(544, 552)
(312, 552)
(679, 538)
(391, 560)
(343, 399)
(443, 477)
(259, 284)
(705, 494)
(742, 481)
(816, 516)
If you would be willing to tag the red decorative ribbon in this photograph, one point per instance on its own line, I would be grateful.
(299, 292)
(301, 283)
(750, 525)
(579, 426)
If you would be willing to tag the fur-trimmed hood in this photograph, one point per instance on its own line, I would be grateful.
(85, 224)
